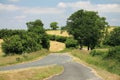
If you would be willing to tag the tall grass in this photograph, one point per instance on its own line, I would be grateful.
(98, 59)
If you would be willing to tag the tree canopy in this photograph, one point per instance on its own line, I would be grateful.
(53, 25)
(87, 27)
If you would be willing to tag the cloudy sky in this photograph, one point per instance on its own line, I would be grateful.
(15, 13)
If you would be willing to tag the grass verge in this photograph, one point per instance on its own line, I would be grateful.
(95, 62)
(39, 73)
(13, 59)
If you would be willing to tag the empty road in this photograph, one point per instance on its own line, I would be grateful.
(72, 70)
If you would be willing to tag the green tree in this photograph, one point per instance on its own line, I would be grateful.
(53, 25)
(113, 39)
(87, 27)
(37, 28)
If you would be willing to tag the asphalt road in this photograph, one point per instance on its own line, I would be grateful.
(72, 70)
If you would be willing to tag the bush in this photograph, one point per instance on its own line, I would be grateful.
(45, 41)
(61, 39)
(57, 38)
(12, 45)
(114, 53)
(20, 44)
(71, 43)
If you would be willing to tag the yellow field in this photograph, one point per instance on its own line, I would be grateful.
(110, 29)
(58, 32)
(0, 45)
(56, 46)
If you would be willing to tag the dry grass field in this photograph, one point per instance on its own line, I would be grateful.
(36, 73)
(56, 46)
(58, 32)
(0, 46)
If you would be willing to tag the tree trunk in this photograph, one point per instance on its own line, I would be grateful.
(81, 46)
(88, 47)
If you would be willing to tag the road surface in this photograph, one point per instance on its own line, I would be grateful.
(72, 70)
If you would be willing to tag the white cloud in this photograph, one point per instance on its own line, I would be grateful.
(28, 10)
(39, 10)
(62, 5)
(8, 7)
(87, 5)
(13, 0)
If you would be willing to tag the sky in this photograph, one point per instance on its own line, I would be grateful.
(15, 13)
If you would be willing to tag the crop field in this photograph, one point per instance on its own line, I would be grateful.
(56, 46)
(0, 46)
(58, 32)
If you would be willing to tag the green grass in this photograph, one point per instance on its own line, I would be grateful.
(98, 60)
(13, 59)
(32, 74)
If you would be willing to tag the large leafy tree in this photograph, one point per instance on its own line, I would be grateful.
(37, 27)
(87, 27)
(53, 25)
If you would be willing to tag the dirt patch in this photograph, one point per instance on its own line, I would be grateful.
(56, 46)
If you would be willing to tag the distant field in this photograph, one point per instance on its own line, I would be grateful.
(110, 29)
(0, 45)
(58, 32)
(56, 46)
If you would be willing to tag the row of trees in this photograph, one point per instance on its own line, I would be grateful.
(31, 40)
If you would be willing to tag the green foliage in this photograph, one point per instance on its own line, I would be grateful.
(54, 26)
(98, 60)
(114, 38)
(45, 41)
(20, 44)
(87, 27)
(12, 45)
(26, 41)
(71, 43)
(8, 33)
(58, 38)
(101, 53)
(114, 53)
(34, 25)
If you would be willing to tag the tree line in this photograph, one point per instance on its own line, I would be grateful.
(87, 27)
(25, 41)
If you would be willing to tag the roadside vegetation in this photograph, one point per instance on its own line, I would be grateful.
(106, 68)
(37, 73)
(16, 58)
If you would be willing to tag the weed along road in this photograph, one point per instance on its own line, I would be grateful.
(72, 70)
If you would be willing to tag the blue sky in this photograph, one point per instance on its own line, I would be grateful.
(15, 13)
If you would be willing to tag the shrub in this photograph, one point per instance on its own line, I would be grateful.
(100, 53)
(114, 53)
(45, 41)
(57, 38)
(12, 45)
(20, 44)
(60, 39)
(71, 43)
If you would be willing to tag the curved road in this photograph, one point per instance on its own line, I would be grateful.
(72, 70)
